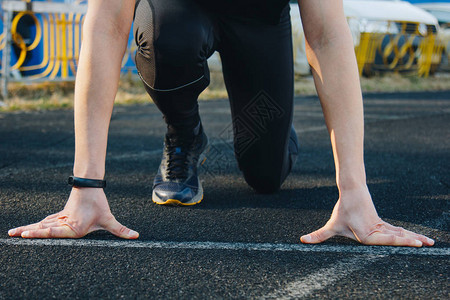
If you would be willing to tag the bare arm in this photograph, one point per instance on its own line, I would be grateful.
(105, 38)
(106, 30)
(331, 55)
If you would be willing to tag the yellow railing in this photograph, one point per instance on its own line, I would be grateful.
(60, 37)
(406, 51)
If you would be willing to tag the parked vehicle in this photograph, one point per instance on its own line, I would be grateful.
(396, 31)
(441, 11)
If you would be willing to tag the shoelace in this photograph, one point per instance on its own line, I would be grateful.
(177, 161)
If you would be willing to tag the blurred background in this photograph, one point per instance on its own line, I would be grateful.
(397, 44)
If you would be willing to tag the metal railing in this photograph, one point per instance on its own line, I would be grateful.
(58, 31)
(57, 36)
(408, 50)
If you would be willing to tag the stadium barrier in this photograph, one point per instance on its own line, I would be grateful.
(51, 51)
(409, 50)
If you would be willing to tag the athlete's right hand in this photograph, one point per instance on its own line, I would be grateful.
(87, 210)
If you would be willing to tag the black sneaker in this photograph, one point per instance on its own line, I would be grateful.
(176, 182)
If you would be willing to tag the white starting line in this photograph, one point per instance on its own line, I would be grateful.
(368, 250)
(323, 277)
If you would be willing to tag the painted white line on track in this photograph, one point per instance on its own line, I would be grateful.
(369, 250)
(323, 277)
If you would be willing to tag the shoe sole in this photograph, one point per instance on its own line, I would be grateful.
(174, 202)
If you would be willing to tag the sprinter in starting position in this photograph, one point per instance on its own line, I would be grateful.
(175, 39)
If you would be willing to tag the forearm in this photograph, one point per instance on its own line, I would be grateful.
(331, 55)
(97, 81)
(332, 58)
(338, 87)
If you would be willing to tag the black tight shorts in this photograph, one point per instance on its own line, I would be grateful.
(175, 38)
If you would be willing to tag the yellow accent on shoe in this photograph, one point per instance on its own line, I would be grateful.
(174, 202)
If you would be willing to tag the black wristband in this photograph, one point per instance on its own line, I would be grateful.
(85, 182)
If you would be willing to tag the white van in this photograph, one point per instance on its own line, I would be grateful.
(376, 16)
(441, 11)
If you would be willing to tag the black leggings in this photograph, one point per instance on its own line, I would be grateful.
(175, 38)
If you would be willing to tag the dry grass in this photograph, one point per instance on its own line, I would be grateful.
(44, 96)
(401, 83)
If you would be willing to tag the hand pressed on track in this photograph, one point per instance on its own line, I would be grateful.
(86, 210)
(354, 216)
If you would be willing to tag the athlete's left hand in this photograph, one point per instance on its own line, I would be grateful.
(354, 216)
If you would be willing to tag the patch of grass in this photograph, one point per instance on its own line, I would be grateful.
(405, 83)
(48, 96)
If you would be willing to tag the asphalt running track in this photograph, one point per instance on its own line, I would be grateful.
(235, 244)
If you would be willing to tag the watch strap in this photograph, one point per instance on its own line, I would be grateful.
(86, 182)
